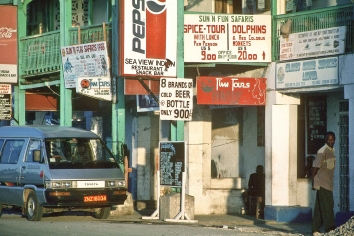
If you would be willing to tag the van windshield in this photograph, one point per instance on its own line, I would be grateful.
(78, 153)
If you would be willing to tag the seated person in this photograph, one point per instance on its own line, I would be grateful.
(81, 153)
(256, 186)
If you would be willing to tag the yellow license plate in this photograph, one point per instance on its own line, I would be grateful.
(99, 198)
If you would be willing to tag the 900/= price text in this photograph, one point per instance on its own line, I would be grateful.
(178, 114)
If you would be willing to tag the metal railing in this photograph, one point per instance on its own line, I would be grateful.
(314, 20)
(40, 54)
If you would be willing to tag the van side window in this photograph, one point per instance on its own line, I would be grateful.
(33, 145)
(11, 151)
(1, 143)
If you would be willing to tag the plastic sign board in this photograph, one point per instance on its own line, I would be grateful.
(84, 60)
(99, 88)
(324, 42)
(172, 162)
(231, 91)
(8, 44)
(176, 99)
(213, 38)
(149, 45)
(298, 74)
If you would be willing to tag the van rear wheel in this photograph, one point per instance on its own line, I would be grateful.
(34, 211)
(102, 213)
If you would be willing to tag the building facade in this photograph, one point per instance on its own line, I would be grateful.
(225, 142)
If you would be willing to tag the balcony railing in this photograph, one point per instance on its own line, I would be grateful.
(315, 20)
(40, 54)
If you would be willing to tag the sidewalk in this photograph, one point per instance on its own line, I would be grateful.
(231, 221)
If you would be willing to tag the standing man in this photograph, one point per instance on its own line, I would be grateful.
(322, 175)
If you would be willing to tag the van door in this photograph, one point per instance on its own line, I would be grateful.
(10, 161)
(32, 169)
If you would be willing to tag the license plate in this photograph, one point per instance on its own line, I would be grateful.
(99, 198)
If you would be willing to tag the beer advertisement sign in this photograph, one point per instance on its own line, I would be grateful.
(211, 38)
(149, 43)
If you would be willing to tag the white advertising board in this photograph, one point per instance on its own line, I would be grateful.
(324, 42)
(84, 60)
(316, 72)
(99, 88)
(227, 38)
(176, 99)
(150, 38)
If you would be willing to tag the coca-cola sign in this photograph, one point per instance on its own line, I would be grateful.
(8, 44)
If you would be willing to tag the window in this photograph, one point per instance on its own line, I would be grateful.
(12, 150)
(33, 145)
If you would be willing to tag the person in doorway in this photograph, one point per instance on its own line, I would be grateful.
(322, 174)
(256, 186)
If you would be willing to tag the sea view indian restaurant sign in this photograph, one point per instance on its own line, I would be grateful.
(213, 38)
(307, 73)
(323, 42)
(231, 91)
(84, 60)
(150, 38)
(8, 44)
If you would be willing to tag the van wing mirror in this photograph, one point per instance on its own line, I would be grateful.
(37, 155)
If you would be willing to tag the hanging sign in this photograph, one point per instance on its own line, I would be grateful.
(227, 38)
(150, 38)
(231, 91)
(176, 99)
(172, 163)
(298, 74)
(99, 88)
(84, 60)
(324, 42)
(8, 44)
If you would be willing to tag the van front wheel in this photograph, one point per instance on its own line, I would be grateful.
(34, 211)
(102, 213)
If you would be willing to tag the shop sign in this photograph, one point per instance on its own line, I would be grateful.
(149, 38)
(323, 42)
(298, 74)
(99, 88)
(5, 102)
(227, 38)
(231, 91)
(84, 60)
(8, 44)
(172, 162)
(176, 99)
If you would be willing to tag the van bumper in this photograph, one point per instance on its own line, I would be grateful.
(85, 198)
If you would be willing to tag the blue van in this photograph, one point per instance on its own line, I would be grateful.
(46, 169)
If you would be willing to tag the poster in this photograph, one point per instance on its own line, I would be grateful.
(84, 60)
